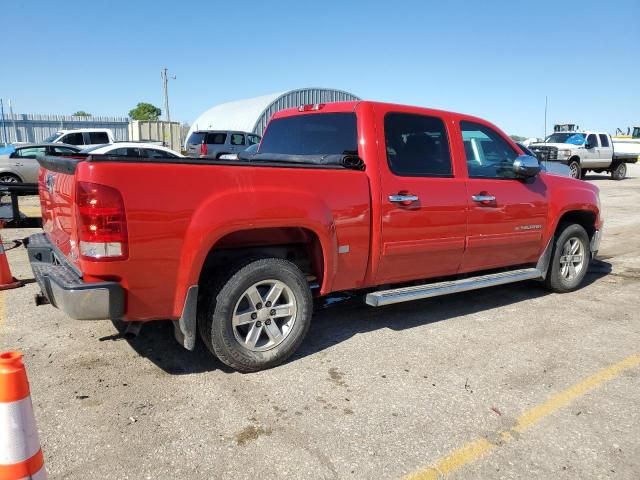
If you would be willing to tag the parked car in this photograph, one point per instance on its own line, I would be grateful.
(82, 137)
(583, 151)
(21, 166)
(213, 143)
(401, 203)
(234, 156)
(133, 149)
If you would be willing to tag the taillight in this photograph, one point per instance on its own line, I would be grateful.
(203, 149)
(102, 223)
(311, 107)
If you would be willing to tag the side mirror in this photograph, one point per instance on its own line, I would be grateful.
(588, 146)
(526, 166)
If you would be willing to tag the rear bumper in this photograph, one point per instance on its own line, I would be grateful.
(64, 288)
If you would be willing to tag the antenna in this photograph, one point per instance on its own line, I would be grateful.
(165, 84)
(546, 102)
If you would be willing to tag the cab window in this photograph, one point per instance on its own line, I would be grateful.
(73, 139)
(592, 140)
(487, 153)
(253, 139)
(237, 139)
(604, 140)
(417, 145)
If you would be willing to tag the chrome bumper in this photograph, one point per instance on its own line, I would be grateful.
(64, 288)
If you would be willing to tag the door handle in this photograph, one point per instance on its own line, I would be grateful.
(483, 198)
(405, 199)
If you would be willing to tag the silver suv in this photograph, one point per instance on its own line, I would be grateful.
(213, 143)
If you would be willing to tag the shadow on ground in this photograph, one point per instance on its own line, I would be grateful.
(339, 323)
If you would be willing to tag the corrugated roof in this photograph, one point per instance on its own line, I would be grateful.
(252, 114)
(238, 115)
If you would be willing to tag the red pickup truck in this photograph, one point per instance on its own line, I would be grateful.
(399, 202)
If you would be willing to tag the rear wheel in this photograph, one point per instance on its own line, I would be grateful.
(570, 259)
(619, 171)
(259, 315)
(574, 167)
(9, 178)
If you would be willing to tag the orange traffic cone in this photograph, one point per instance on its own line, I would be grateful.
(20, 452)
(7, 280)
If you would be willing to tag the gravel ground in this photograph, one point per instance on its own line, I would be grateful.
(373, 393)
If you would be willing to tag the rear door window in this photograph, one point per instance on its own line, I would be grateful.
(125, 152)
(312, 134)
(73, 139)
(237, 139)
(98, 138)
(153, 153)
(31, 152)
(417, 145)
(216, 138)
(196, 138)
(604, 140)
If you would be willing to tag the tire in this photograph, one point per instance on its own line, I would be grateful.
(242, 329)
(619, 171)
(583, 174)
(574, 166)
(9, 178)
(560, 279)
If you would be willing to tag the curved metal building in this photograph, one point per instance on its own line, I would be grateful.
(252, 114)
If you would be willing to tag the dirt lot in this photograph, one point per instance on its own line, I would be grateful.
(510, 382)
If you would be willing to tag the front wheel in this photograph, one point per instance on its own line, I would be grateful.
(570, 259)
(574, 168)
(259, 315)
(619, 172)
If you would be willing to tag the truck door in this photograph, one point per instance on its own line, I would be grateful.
(507, 215)
(606, 149)
(592, 153)
(423, 202)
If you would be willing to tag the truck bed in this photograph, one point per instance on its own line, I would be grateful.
(178, 208)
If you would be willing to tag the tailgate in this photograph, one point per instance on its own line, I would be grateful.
(56, 185)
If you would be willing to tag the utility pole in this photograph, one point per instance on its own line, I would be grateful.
(4, 126)
(13, 122)
(165, 85)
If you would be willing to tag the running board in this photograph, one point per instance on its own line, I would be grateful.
(406, 294)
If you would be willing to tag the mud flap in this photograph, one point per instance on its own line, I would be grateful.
(185, 328)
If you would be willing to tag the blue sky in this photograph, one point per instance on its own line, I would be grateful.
(494, 59)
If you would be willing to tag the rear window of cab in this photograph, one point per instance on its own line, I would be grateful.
(314, 134)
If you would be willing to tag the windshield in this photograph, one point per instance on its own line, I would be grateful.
(566, 137)
(51, 138)
(315, 134)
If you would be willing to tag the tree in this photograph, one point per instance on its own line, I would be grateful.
(81, 113)
(517, 138)
(145, 112)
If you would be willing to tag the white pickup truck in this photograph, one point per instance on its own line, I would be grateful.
(584, 151)
(82, 137)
